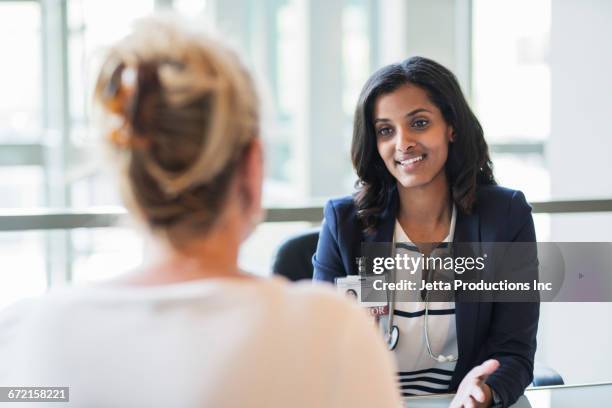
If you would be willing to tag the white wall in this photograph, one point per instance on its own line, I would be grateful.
(575, 338)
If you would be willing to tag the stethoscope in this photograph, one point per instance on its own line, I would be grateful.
(392, 332)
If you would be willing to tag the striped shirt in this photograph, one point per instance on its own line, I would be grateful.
(419, 374)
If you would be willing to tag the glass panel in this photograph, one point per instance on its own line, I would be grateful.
(21, 186)
(103, 253)
(511, 88)
(273, 36)
(100, 254)
(356, 68)
(93, 25)
(355, 50)
(511, 61)
(288, 30)
(100, 189)
(97, 254)
(23, 275)
(21, 79)
(190, 7)
(285, 40)
(257, 253)
(525, 172)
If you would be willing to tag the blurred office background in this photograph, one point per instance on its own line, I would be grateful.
(537, 73)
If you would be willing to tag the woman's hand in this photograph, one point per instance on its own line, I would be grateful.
(473, 392)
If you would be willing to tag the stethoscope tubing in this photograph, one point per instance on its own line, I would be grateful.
(392, 340)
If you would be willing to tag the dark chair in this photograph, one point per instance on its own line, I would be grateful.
(294, 261)
(544, 375)
(293, 258)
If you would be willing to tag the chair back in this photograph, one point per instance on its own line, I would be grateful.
(293, 258)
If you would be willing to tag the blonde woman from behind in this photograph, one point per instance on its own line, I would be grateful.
(190, 329)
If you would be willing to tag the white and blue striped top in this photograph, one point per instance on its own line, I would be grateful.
(419, 374)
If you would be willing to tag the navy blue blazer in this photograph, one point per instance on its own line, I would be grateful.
(503, 331)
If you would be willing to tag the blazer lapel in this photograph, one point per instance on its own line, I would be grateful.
(467, 229)
(384, 231)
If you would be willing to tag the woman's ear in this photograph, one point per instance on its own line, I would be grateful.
(450, 134)
(252, 182)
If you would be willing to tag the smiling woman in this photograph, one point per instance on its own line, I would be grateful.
(413, 145)
(418, 108)
(425, 177)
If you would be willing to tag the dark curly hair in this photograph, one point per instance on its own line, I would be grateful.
(468, 164)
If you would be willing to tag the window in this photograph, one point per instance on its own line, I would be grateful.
(21, 79)
(511, 89)
(50, 156)
(311, 58)
(511, 93)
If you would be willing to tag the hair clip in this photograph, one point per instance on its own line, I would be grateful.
(119, 137)
(118, 98)
(119, 88)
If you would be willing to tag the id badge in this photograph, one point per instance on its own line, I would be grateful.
(350, 286)
(357, 287)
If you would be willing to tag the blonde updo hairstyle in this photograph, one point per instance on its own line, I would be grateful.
(181, 110)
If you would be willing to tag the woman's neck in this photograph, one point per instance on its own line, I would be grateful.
(425, 211)
(212, 256)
